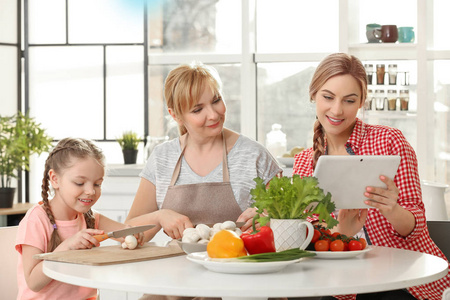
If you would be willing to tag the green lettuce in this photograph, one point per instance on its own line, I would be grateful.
(292, 198)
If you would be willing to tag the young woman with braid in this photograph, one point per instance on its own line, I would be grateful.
(397, 216)
(73, 174)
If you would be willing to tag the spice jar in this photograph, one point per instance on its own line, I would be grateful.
(379, 99)
(392, 74)
(368, 102)
(392, 99)
(404, 99)
(369, 72)
(380, 74)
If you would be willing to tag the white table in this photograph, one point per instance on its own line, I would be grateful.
(380, 269)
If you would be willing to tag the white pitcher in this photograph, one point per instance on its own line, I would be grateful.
(434, 200)
(291, 233)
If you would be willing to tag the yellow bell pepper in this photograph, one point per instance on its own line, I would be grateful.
(226, 244)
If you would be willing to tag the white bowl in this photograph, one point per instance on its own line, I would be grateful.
(191, 247)
(287, 161)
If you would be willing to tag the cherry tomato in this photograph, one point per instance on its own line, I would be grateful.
(316, 236)
(322, 245)
(337, 245)
(345, 245)
(355, 245)
(336, 235)
(363, 242)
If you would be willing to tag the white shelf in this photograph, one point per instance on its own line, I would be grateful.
(384, 51)
(387, 114)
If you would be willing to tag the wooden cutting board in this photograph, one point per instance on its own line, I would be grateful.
(109, 255)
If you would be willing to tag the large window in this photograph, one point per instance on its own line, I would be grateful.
(99, 71)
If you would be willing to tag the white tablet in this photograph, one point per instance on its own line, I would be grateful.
(347, 176)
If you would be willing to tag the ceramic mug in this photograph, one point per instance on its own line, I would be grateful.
(291, 233)
(370, 32)
(387, 33)
(406, 35)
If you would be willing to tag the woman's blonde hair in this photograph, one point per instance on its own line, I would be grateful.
(334, 65)
(59, 159)
(184, 86)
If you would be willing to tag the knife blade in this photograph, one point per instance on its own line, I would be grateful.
(123, 232)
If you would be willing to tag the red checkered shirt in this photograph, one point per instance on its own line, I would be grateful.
(383, 140)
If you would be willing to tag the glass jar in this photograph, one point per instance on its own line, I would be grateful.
(368, 103)
(380, 74)
(276, 141)
(369, 72)
(379, 99)
(392, 74)
(392, 99)
(404, 99)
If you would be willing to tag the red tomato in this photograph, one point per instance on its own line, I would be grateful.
(363, 242)
(336, 235)
(316, 236)
(337, 245)
(322, 245)
(345, 246)
(355, 245)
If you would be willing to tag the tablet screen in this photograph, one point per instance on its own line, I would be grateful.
(347, 176)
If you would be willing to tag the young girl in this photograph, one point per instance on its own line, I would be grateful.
(397, 217)
(75, 170)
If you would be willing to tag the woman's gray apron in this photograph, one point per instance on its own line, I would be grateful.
(207, 203)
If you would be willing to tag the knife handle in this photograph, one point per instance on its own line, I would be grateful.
(101, 237)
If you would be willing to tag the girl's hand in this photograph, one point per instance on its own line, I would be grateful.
(83, 239)
(351, 221)
(385, 199)
(174, 223)
(140, 238)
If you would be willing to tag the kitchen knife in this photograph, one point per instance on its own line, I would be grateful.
(123, 232)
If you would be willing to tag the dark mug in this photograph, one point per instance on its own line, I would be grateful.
(387, 33)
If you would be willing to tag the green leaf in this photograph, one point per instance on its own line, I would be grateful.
(291, 198)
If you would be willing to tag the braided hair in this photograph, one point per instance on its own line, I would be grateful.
(58, 160)
(334, 65)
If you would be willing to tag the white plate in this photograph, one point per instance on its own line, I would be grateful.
(238, 267)
(287, 161)
(339, 254)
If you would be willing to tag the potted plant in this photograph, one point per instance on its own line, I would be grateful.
(287, 203)
(129, 142)
(20, 137)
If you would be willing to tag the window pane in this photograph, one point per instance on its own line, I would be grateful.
(106, 21)
(8, 80)
(297, 26)
(162, 124)
(8, 17)
(442, 119)
(124, 90)
(47, 21)
(441, 24)
(283, 98)
(196, 26)
(66, 90)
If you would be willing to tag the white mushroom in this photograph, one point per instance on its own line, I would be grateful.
(203, 231)
(217, 226)
(124, 245)
(130, 241)
(189, 230)
(190, 237)
(238, 231)
(230, 225)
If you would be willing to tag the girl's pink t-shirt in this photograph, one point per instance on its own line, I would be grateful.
(35, 230)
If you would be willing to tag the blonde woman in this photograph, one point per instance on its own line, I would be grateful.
(205, 175)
